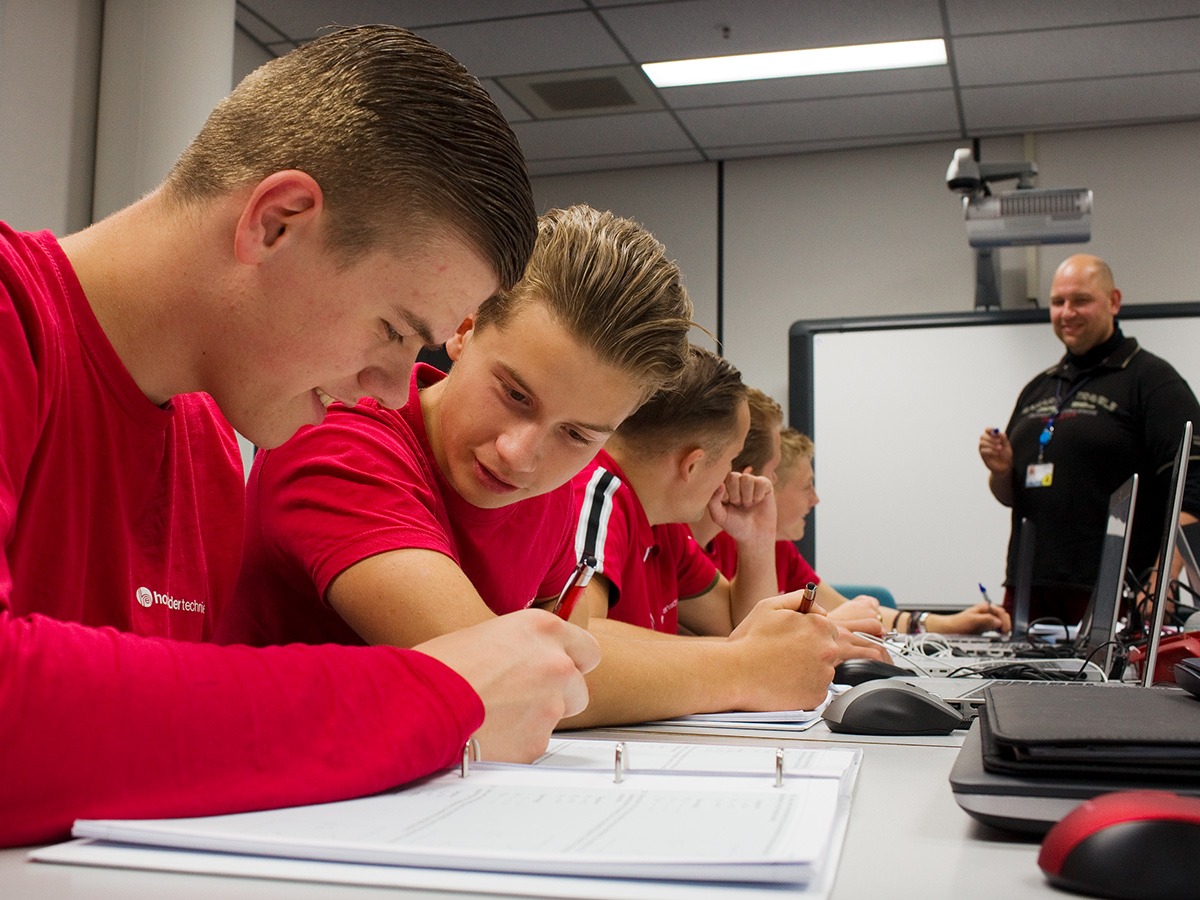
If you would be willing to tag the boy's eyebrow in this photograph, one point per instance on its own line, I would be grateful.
(419, 326)
(526, 389)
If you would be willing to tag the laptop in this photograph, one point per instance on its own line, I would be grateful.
(1094, 648)
(1017, 638)
(1166, 553)
(1033, 804)
(1098, 627)
(1098, 630)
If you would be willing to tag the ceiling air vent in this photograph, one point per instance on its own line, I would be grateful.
(550, 95)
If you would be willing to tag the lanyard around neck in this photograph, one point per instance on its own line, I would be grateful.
(1060, 402)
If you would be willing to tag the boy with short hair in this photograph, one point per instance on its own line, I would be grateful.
(391, 527)
(272, 270)
(670, 464)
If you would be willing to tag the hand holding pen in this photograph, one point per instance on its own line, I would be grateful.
(573, 589)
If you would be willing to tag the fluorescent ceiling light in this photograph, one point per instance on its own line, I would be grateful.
(790, 63)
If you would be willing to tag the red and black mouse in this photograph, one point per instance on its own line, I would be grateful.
(1127, 845)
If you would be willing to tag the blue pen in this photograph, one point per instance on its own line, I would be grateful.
(986, 598)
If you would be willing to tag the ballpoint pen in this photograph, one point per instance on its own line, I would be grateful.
(810, 596)
(986, 598)
(573, 589)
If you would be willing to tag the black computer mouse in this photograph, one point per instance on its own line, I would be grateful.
(856, 671)
(1139, 845)
(1187, 675)
(885, 706)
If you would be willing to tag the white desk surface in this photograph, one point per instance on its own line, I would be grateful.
(907, 838)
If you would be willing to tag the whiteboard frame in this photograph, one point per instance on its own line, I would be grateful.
(930, 551)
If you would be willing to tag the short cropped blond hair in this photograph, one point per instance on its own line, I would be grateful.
(766, 417)
(794, 447)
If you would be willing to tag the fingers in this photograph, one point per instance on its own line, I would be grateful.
(868, 600)
(582, 647)
(744, 489)
(866, 626)
(792, 601)
(851, 646)
(575, 695)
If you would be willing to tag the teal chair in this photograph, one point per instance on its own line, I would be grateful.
(882, 594)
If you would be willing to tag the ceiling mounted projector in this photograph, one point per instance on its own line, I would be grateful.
(1024, 216)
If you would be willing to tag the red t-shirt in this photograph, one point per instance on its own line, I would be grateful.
(792, 571)
(651, 568)
(115, 511)
(365, 481)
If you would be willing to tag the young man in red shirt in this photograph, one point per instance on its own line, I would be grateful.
(274, 269)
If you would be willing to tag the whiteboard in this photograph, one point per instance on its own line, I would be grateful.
(895, 406)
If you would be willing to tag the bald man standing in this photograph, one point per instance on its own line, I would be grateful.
(1107, 409)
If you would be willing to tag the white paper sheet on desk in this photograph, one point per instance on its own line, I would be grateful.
(773, 720)
(695, 812)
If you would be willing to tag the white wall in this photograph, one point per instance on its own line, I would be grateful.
(875, 231)
(677, 203)
(49, 75)
(164, 66)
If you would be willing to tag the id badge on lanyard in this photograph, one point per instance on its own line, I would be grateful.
(1041, 473)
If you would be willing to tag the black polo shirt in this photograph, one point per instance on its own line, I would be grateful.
(1122, 411)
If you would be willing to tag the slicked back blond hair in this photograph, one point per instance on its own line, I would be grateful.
(609, 282)
(401, 138)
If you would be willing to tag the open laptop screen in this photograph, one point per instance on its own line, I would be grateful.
(1023, 581)
(1099, 625)
(1166, 555)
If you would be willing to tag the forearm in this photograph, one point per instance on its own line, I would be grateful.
(755, 579)
(102, 724)
(1000, 484)
(776, 659)
(678, 676)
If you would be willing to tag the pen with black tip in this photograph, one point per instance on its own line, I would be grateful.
(809, 598)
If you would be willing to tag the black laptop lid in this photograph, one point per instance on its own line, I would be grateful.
(1023, 580)
(1166, 554)
(1099, 625)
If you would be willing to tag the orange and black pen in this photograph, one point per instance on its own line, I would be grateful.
(573, 589)
(810, 597)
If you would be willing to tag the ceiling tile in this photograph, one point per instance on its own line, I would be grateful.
(972, 16)
(601, 135)
(1079, 52)
(1016, 66)
(863, 117)
(615, 161)
(532, 44)
(1084, 103)
(695, 28)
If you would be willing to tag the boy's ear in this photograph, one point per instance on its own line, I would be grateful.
(279, 207)
(689, 460)
(460, 338)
